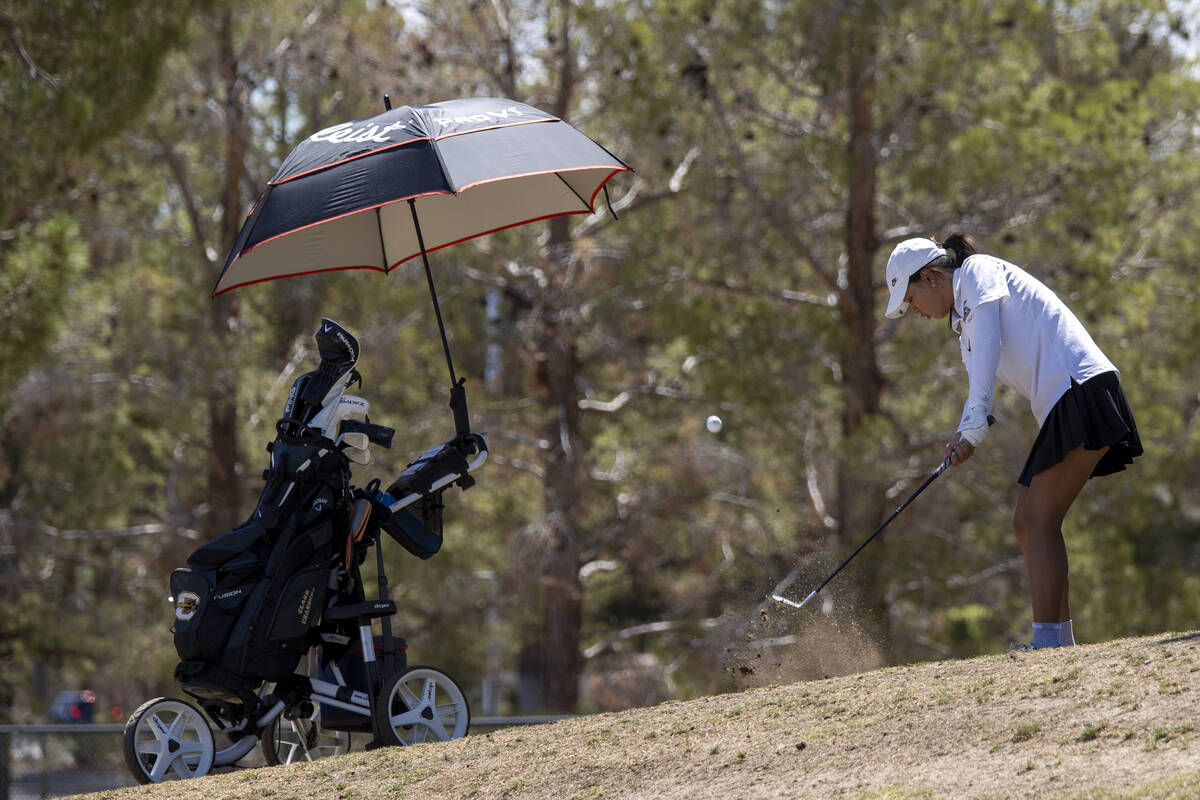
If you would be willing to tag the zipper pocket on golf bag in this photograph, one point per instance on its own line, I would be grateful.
(281, 629)
(207, 604)
(300, 604)
(278, 623)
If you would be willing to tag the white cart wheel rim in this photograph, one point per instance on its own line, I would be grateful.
(290, 733)
(291, 737)
(173, 741)
(426, 705)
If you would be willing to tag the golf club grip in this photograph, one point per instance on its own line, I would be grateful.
(376, 434)
(946, 464)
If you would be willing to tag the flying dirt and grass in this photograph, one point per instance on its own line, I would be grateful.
(1112, 720)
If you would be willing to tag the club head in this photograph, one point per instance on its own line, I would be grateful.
(781, 599)
(357, 441)
(358, 455)
(337, 410)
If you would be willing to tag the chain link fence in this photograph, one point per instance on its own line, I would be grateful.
(40, 761)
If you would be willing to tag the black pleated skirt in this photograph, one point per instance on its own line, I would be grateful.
(1093, 414)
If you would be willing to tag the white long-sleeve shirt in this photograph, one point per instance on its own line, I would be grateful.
(1012, 327)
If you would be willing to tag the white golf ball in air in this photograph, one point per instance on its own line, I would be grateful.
(713, 423)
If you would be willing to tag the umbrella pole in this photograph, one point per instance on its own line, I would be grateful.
(458, 394)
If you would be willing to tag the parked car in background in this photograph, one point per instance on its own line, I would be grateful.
(74, 706)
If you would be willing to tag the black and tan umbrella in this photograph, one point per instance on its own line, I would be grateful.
(376, 192)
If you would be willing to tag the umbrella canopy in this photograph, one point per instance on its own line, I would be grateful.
(465, 167)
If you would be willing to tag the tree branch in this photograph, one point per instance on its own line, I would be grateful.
(607, 643)
(35, 72)
(778, 295)
(46, 529)
(771, 210)
(626, 395)
(178, 169)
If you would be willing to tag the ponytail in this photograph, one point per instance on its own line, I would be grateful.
(959, 247)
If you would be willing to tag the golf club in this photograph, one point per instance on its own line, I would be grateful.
(941, 468)
(357, 441)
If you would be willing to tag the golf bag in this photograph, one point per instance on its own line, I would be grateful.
(247, 604)
(247, 599)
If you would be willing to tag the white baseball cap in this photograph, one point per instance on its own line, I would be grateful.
(906, 260)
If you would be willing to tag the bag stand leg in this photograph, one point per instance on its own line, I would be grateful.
(367, 638)
(374, 677)
(388, 661)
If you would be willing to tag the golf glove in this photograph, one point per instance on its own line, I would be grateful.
(974, 425)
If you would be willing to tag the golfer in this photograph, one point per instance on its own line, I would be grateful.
(1014, 329)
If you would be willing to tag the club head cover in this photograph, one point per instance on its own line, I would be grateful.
(347, 406)
(339, 353)
(337, 346)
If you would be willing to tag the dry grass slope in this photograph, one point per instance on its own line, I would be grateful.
(1114, 720)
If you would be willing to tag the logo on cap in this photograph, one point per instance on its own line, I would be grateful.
(893, 281)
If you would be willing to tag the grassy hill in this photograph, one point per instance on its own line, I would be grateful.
(1113, 720)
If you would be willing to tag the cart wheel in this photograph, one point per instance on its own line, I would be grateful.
(167, 739)
(422, 704)
(286, 741)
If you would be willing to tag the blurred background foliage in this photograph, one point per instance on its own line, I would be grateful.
(614, 552)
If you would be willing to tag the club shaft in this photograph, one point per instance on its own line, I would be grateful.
(945, 464)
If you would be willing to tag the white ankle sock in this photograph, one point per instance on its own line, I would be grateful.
(1066, 635)
(1046, 634)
